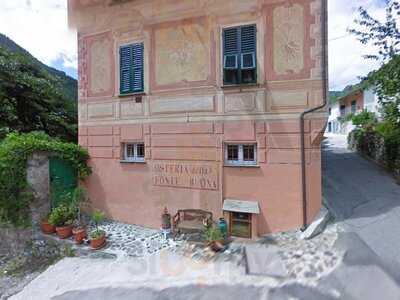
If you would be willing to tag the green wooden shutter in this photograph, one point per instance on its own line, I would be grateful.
(248, 47)
(231, 48)
(131, 68)
(137, 84)
(126, 61)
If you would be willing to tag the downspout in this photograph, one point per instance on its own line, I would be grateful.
(324, 17)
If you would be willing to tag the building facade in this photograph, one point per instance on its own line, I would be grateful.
(196, 104)
(352, 103)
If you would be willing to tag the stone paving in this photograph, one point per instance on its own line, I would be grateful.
(307, 260)
(132, 240)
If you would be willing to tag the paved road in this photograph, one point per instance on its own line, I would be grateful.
(364, 198)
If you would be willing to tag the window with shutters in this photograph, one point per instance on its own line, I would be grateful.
(131, 68)
(240, 55)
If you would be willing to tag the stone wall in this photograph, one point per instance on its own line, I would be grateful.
(15, 240)
(38, 178)
(373, 146)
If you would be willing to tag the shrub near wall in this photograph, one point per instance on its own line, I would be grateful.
(372, 144)
(15, 150)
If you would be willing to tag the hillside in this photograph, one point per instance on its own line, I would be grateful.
(68, 85)
(35, 97)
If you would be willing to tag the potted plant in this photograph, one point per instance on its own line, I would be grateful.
(79, 230)
(214, 238)
(62, 218)
(97, 236)
(45, 225)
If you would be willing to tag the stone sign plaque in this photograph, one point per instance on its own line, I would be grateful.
(185, 174)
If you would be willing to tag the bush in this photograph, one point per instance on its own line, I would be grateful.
(364, 119)
(62, 215)
(15, 150)
(213, 233)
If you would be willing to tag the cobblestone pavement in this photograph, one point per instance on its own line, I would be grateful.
(135, 241)
(307, 260)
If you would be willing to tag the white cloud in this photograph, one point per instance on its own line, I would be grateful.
(41, 27)
(346, 62)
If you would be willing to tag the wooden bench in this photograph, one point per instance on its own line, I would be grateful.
(191, 220)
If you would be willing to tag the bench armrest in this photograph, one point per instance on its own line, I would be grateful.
(176, 219)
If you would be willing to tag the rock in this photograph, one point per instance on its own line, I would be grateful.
(318, 225)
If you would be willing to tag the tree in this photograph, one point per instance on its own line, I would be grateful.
(386, 37)
(30, 99)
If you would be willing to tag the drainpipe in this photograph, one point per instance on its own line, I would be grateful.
(308, 111)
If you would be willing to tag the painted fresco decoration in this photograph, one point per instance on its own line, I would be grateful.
(100, 71)
(101, 65)
(288, 54)
(182, 54)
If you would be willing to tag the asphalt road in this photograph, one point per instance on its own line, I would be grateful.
(364, 198)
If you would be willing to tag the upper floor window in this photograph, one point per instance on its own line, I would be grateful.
(353, 107)
(131, 68)
(342, 110)
(240, 55)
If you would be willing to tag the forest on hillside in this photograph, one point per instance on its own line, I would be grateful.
(33, 96)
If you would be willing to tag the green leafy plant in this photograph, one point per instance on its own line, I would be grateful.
(15, 150)
(364, 119)
(213, 233)
(34, 99)
(62, 215)
(97, 218)
(77, 198)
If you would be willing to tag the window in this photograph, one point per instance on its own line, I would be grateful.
(353, 107)
(342, 110)
(240, 224)
(131, 68)
(240, 58)
(237, 154)
(134, 152)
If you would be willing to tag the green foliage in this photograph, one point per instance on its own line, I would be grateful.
(66, 84)
(31, 99)
(76, 199)
(364, 119)
(15, 150)
(62, 215)
(95, 234)
(382, 35)
(97, 218)
(213, 233)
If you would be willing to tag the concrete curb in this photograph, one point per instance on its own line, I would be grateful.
(318, 225)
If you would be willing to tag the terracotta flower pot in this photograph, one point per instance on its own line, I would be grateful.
(64, 232)
(98, 243)
(47, 228)
(217, 245)
(79, 235)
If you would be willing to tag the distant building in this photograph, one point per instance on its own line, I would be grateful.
(352, 103)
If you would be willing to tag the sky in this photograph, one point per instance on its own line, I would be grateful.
(40, 26)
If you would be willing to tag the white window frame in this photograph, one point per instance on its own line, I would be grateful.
(241, 161)
(135, 157)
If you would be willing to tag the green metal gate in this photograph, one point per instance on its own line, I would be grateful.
(63, 181)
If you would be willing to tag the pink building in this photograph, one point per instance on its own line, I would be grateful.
(197, 104)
